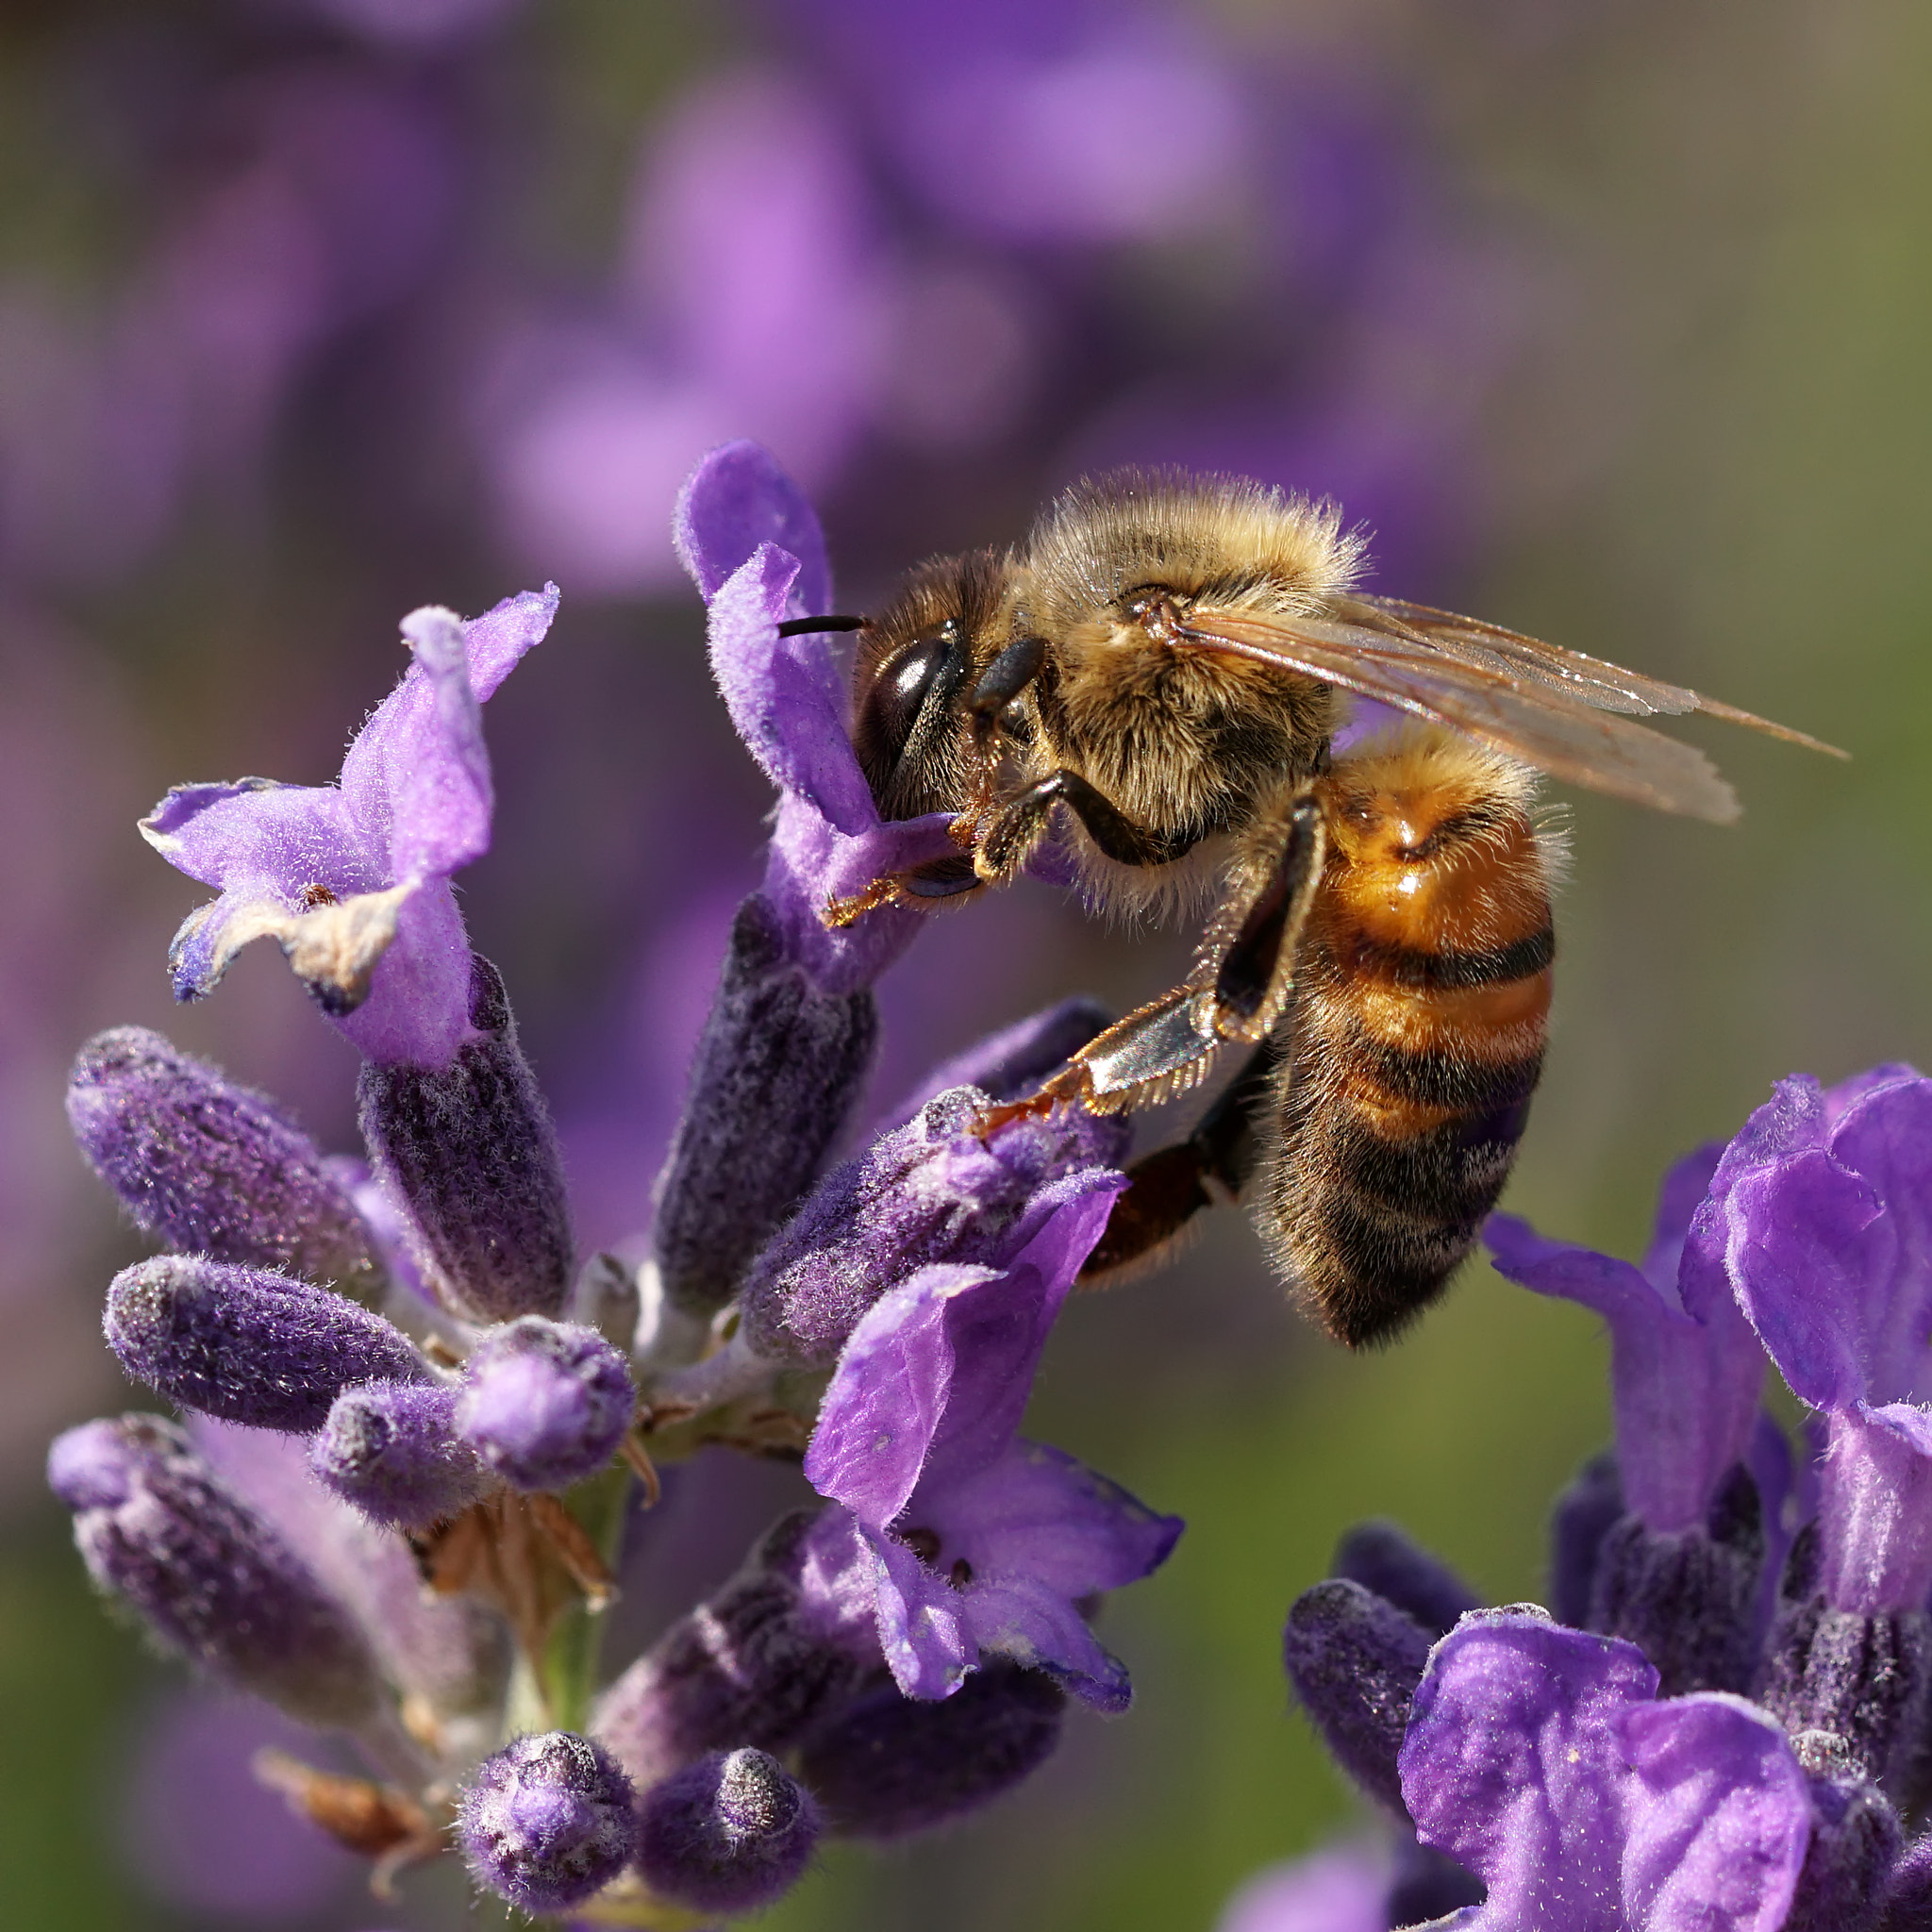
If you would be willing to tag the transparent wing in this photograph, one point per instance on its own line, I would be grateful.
(1591, 682)
(1546, 719)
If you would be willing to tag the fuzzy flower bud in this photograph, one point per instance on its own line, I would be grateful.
(548, 1821)
(209, 1167)
(1355, 1663)
(887, 1765)
(470, 1149)
(158, 1528)
(1384, 1559)
(777, 1069)
(930, 1191)
(728, 1834)
(391, 1449)
(247, 1346)
(544, 1404)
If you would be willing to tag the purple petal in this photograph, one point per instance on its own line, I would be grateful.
(1875, 1510)
(784, 694)
(1684, 1184)
(1685, 1390)
(1025, 1619)
(258, 839)
(920, 1623)
(1039, 1512)
(738, 498)
(417, 1010)
(1884, 1135)
(1346, 1889)
(1720, 1820)
(499, 638)
(888, 1395)
(1512, 1765)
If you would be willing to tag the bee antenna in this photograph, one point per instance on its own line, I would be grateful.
(802, 626)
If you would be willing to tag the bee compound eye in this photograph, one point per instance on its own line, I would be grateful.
(899, 694)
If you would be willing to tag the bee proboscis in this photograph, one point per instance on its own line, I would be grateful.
(1156, 676)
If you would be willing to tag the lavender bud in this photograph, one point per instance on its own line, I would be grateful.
(158, 1528)
(470, 1148)
(748, 1666)
(250, 1347)
(392, 1451)
(1856, 1836)
(1355, 1663)
(1909, 1892)
(931, 1190)
(544, 1404)
(1584, 1515)
(1018, 1058)
(209, 1167)
(1689, 1599)
(1382, 1558)
(777, 1069)
(548, 1821)
(1428, 1884)
(727, 1834)
(1866, 1677)
(885, 1765)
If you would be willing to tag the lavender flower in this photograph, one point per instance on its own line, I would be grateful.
(209, 1167)
(391, 1449)
(980, 1543)
(547, 1822)
(1541, 1758)
(544, 1404)
(928, 1192)
(158, 1529)
(727, 1834)
(248, 1346)
(353, 878)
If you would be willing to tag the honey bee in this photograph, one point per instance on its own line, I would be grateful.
(1154, 679)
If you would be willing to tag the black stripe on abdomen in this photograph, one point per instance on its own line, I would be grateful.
(1437, 1076)
(1414, 970)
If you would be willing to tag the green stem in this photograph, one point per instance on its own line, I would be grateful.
(569, 1668)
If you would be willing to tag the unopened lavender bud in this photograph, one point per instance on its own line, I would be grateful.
(777, 1069)
(1856, 1838)
(1688, 1599)
(391, 1449)
(548, 1821)
(209, 1167)
(470, 1150)
(932, 1190)
(1383, 1559)
(748, 1666)
(248, 1346)
(1583, 1516)
(1907, 1905)
(1867, 1678)
(544, 1404)
(1355, 1663)
(158, 1529)
(728, 1834)
(1018, 1058)
(885, 1765)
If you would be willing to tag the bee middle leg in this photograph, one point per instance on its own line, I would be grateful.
(1240, 985)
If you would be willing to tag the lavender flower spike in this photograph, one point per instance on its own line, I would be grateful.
(547, 1822)
(727, 1834)
(753, 546)
(247, 1346)
(544, 1404)
(1540, 1759)
(352, 879)
(980, 1543)
(930, 1191)
(158, 1528)
(469, 1149)
(209, 1167)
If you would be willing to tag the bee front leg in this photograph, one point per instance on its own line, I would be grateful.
(1008, 834)
(1235, 994)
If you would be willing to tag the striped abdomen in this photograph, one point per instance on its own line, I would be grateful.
(1416, 1035)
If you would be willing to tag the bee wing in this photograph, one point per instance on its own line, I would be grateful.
(1477, 691)
(1587, 681)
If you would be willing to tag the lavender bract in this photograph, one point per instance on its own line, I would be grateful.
(727, 1834)
(352, 879)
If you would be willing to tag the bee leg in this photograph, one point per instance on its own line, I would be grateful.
(941, 878)
(1168, 1186)
(1002, 681)
(1012, 832)
(1235, 993)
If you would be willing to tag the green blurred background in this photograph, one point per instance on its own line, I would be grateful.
(1700, 442)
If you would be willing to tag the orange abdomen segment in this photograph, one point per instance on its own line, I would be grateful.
(1416, 1034)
